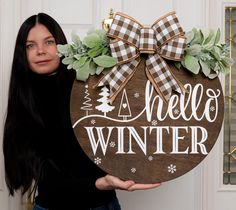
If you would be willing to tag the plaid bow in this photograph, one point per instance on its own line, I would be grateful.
(164, 40)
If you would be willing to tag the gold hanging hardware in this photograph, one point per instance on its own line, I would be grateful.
(106, 23)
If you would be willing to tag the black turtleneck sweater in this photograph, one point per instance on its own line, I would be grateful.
(67, 176)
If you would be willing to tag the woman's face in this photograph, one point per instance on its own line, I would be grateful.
(41, 50)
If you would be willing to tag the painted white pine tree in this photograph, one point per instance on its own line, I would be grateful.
(87, 106)
(124, 110)
(104, 106)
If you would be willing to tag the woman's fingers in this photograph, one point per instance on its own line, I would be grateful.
(118, 183)
(143, 186)
(110, 182)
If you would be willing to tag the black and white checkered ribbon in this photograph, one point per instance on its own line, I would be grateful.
(163, 40)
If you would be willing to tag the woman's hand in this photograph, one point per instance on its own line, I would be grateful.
(109, 182)
(143, 186)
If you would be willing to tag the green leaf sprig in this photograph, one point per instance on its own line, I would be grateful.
(205, 54)
(88, 57)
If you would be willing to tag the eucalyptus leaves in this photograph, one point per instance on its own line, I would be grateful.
(88, 57)
(205, 53)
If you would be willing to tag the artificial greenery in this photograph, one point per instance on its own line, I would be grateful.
(88, 57)
(205, 53)
(92, 56)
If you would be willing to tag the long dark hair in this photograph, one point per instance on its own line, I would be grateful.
(21, 160)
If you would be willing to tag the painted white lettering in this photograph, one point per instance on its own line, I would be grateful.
(186, 106)
(100, 141)
(198, 136)
(159, 138)
(176, 138)
(120, 140)
(213, 98)
(142, 143)
(195, 143)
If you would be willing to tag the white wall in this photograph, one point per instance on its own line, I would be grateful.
(9, 22)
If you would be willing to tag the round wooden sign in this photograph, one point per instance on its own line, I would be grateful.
(139, 137)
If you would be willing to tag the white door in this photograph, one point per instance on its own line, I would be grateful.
(188, 192)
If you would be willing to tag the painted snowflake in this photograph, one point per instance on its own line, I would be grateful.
(136, 95)
(176, 111)
(112, 144)
(93, 121)
(97, 160)
(133, 170)
(150, 158)
(172, 168)
(212, 108)
(154, 122)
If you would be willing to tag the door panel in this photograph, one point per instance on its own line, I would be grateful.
(220, 196)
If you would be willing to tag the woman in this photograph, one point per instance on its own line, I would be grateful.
(39, 144)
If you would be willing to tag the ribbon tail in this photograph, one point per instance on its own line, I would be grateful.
(161, 77)
(118, 77)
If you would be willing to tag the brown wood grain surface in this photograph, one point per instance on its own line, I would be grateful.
(141, 138)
